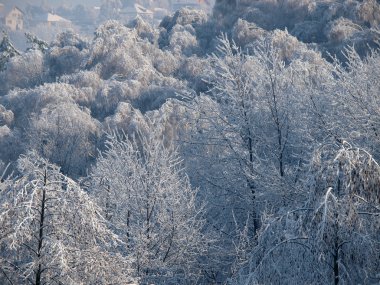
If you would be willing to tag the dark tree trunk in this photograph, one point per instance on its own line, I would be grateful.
(336, 264)
(41, 232)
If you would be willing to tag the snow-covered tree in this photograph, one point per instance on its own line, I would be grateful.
(356, 100)
(23, 71)
(182, 39)
(344, 227)
(36, 43)
(246, 115)
(54, 125)
(183, 30)
(7, 51)
(66, 54)
(334, 237)
(126, 119)
(6, 116)
(114, 50)
(257, 114)
(252, 135)
(66, 135)
(150, 203)
(52, 232)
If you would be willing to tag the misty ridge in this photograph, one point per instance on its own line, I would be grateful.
(190, 142)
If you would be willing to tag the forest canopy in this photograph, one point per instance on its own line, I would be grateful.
(240, 147)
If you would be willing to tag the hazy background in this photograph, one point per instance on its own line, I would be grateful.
(53, 3)
(47, 18)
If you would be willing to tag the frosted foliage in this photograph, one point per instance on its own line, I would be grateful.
(153, 97)
(70, 38)
(36, 43)
(165, 62)
(64, 60)
(233, 148)
(144, 30)
(357, 100)
(193, 67)
(334, 237)
(290, 49)
(64, 134)
(6, 116)
(327, 24)
(66, 55)
(369, 11)
(308, 32)
(23, 71)
(114, 92)
(126, 119)
(260, 100)
(243, 148)
(7, 51)
(342, 29)
(189, 16)
(184, 28)
(101, 96)
(7, 137)
(194, 70)
(52, 232)
(281, 255)
(148, 200)
(25, 102)
(244, 32)
(89, 83)
(115, 51)
(183, 40)
(184, 17)
(344, 226)
(171, 120)
(83, 78)
(4, 133)
(217, 170)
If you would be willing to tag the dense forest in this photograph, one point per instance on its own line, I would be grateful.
(240, 147)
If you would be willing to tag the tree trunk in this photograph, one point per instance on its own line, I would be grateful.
(336, 264)
(41, 232)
